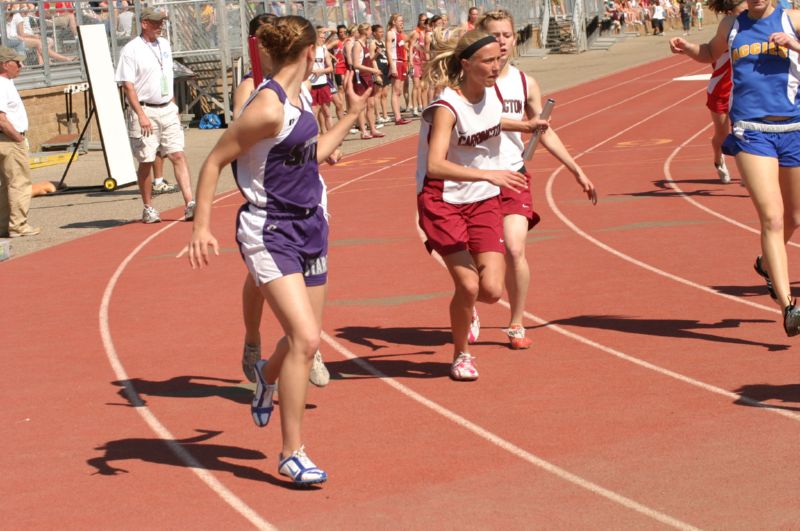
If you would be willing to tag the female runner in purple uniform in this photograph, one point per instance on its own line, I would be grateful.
(282, 231)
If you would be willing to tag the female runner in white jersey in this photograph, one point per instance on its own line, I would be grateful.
(459, 175)
(281, 228)
(522, 100)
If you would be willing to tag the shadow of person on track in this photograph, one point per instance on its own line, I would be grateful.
(765, 392)
(751, 291)
(187, 387)
(214, 457)
(679, 328)
(389, 365)
(664, 189)
(365, 367)
(376, 337)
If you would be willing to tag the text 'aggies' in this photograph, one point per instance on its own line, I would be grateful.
(477, 138)
(759, 48)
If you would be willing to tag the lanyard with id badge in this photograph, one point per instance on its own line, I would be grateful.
(164, 84)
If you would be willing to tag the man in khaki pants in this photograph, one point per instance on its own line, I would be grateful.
(15, 174)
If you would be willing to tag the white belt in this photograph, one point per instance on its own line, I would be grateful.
(741, 126)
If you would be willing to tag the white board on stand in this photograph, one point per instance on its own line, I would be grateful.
(107, 105)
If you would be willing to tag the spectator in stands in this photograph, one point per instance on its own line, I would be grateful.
(377, 49)
(658, 19)
(686, 15)
(125, 18)
(15, 172)
(24, 30)
(472, 18)
(154, 125)
(320, 90)
(12, 38)
(62, 15)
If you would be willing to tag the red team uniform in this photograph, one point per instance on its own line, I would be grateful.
(720, 85)
(512, 90)
(462, 215)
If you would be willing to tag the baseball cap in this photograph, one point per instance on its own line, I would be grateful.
(151, 13)
(10, 54)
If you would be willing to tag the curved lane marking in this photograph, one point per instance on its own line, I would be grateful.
(564, 219)
(506, 445)
(144, 411)
(209, 479)
(693, 201)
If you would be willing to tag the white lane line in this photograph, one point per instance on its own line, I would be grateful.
(554, 207)
(552, 203)
(383, 168)
(674, 185)
(506, 445)
(150, 419)
(622, 83)
(696, 77)
(617, 104)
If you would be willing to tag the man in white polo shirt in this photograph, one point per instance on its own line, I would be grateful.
(15, 173)
(154, 125)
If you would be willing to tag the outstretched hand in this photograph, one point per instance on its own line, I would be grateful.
(588, 187)
(199, 245)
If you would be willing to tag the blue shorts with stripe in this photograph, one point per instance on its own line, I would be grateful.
(785, 147)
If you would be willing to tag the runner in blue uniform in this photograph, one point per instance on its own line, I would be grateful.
(282, 229)
(765, 112)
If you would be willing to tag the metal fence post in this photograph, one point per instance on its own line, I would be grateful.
(225, 58)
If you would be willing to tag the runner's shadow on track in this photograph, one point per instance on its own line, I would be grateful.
(392, 368)
(678, 328)
(97, 224)
(376, 337)
(214, 457)
(751, 291)
(764, 392)
(665, 190)
(187, 387)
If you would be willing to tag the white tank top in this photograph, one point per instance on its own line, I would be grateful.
(512, 89)
(319, 64)
(474, 143)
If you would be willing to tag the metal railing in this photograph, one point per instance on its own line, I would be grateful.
(209, 35)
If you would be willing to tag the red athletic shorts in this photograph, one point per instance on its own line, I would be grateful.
(521, 203)
(474, 227)
(402, 70)
(321, 95)
(717, 104)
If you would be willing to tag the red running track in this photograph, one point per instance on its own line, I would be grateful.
(660, 391)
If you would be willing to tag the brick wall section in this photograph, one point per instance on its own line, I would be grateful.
(47, 108)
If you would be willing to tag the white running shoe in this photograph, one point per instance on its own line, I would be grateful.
(378, 124)
(319, 374)
(164, 188)
(301, 469)
(150, 215)
(474, 327)
(722, 171)
(463, 368)
(353, 130)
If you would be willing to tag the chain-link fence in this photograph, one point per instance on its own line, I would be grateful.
(207, 36)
